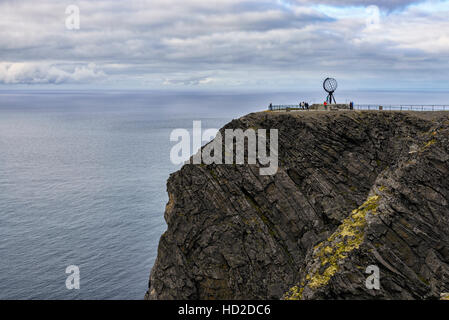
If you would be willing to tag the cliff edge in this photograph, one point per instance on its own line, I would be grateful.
(354, 189)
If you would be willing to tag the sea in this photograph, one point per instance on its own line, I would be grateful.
(83, 180)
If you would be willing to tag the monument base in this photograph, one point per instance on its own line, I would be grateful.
(329, 107)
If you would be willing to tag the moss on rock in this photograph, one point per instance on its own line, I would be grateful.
(330, 254)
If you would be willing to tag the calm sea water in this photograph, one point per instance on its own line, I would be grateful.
(83, 182)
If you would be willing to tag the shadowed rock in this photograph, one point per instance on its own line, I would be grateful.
(353, 189)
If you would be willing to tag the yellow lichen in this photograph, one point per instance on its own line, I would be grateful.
(319, 280)
(329, 254)
(295, 293)
(430, 143)
(445, 296)
(328, 250)
(318, 246)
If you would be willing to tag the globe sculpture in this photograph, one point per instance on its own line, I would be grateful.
(330, 85)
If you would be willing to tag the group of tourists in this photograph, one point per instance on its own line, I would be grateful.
(304, 105)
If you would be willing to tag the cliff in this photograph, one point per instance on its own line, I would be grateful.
(354, 189)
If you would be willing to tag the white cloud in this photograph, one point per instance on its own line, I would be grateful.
(193, 81)
(44, 73)
(381, 3)
(180, 41)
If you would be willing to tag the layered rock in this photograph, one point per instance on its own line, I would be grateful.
(353, 189)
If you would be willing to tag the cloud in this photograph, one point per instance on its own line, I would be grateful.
(195, 81)
(390, 4)
(43, 73)
(183, 42)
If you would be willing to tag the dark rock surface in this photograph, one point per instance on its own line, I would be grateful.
(353, 189)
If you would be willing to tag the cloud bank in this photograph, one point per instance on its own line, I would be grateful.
(225, 43)
(391, 4)
(44, 73)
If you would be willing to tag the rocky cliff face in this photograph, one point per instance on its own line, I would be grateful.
(354, 189)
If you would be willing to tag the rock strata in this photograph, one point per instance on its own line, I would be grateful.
(354, 189)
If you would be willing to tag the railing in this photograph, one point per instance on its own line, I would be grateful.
(392, 107)
(404, 107)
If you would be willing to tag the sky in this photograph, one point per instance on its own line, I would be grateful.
(224, 44)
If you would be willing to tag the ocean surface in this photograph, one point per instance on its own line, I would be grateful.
(83, 181)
